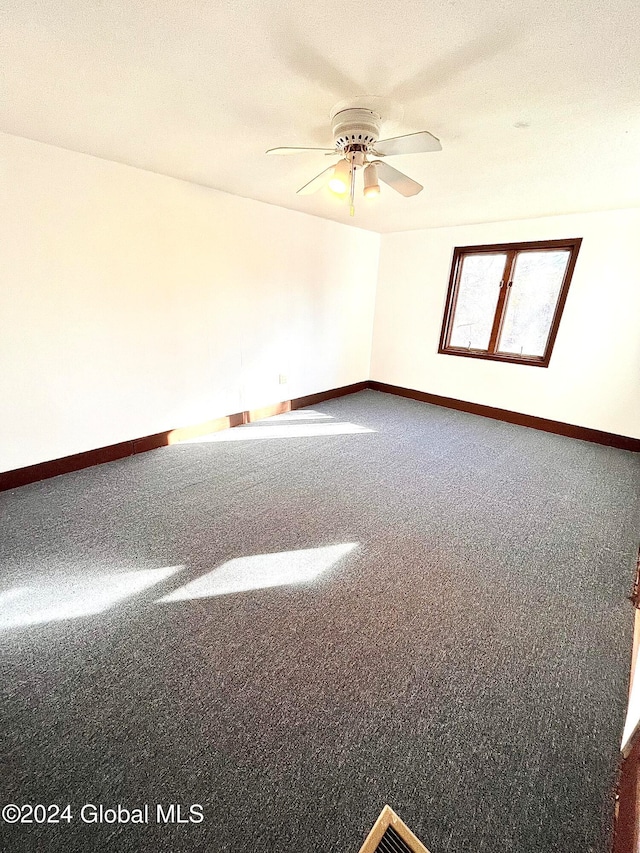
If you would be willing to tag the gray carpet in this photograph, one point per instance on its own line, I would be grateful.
(466, 661)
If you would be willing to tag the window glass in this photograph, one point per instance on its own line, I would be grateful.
(532, 299)
(478, 292)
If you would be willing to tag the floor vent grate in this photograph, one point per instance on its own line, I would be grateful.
(391, 842)
(390, 835)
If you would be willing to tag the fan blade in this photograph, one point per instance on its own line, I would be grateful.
(317, 183)
(399, 182)
(298, 150)
(411, 143)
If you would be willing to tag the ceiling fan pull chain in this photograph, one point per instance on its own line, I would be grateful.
(352, 191)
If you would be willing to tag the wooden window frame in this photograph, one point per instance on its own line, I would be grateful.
(511, 250)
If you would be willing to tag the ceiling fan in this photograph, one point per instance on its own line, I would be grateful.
(355, 138)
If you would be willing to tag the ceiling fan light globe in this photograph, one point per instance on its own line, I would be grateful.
(341, 178)
(371, 185)
(338, 186)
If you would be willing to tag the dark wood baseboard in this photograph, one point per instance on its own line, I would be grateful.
(77, 461)
(610, 439)
(45, 470)
(314, 399)
(54, 467)
(627, 818)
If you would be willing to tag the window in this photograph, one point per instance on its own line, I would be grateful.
(505, 302)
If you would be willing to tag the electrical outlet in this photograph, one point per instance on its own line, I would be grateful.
(283, 379)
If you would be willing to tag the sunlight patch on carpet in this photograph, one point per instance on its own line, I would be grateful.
(74, 597)
(263, 429)
(298, 415)
(262, 571)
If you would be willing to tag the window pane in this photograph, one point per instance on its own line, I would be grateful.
(478, 293)
(533, 297)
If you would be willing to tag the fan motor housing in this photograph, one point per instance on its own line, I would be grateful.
(355, 129)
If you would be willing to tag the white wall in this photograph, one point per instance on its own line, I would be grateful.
(133, 303)
(593, 379)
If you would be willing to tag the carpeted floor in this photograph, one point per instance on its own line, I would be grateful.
(458, 647)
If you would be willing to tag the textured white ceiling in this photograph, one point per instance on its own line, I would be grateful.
(536, 104)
